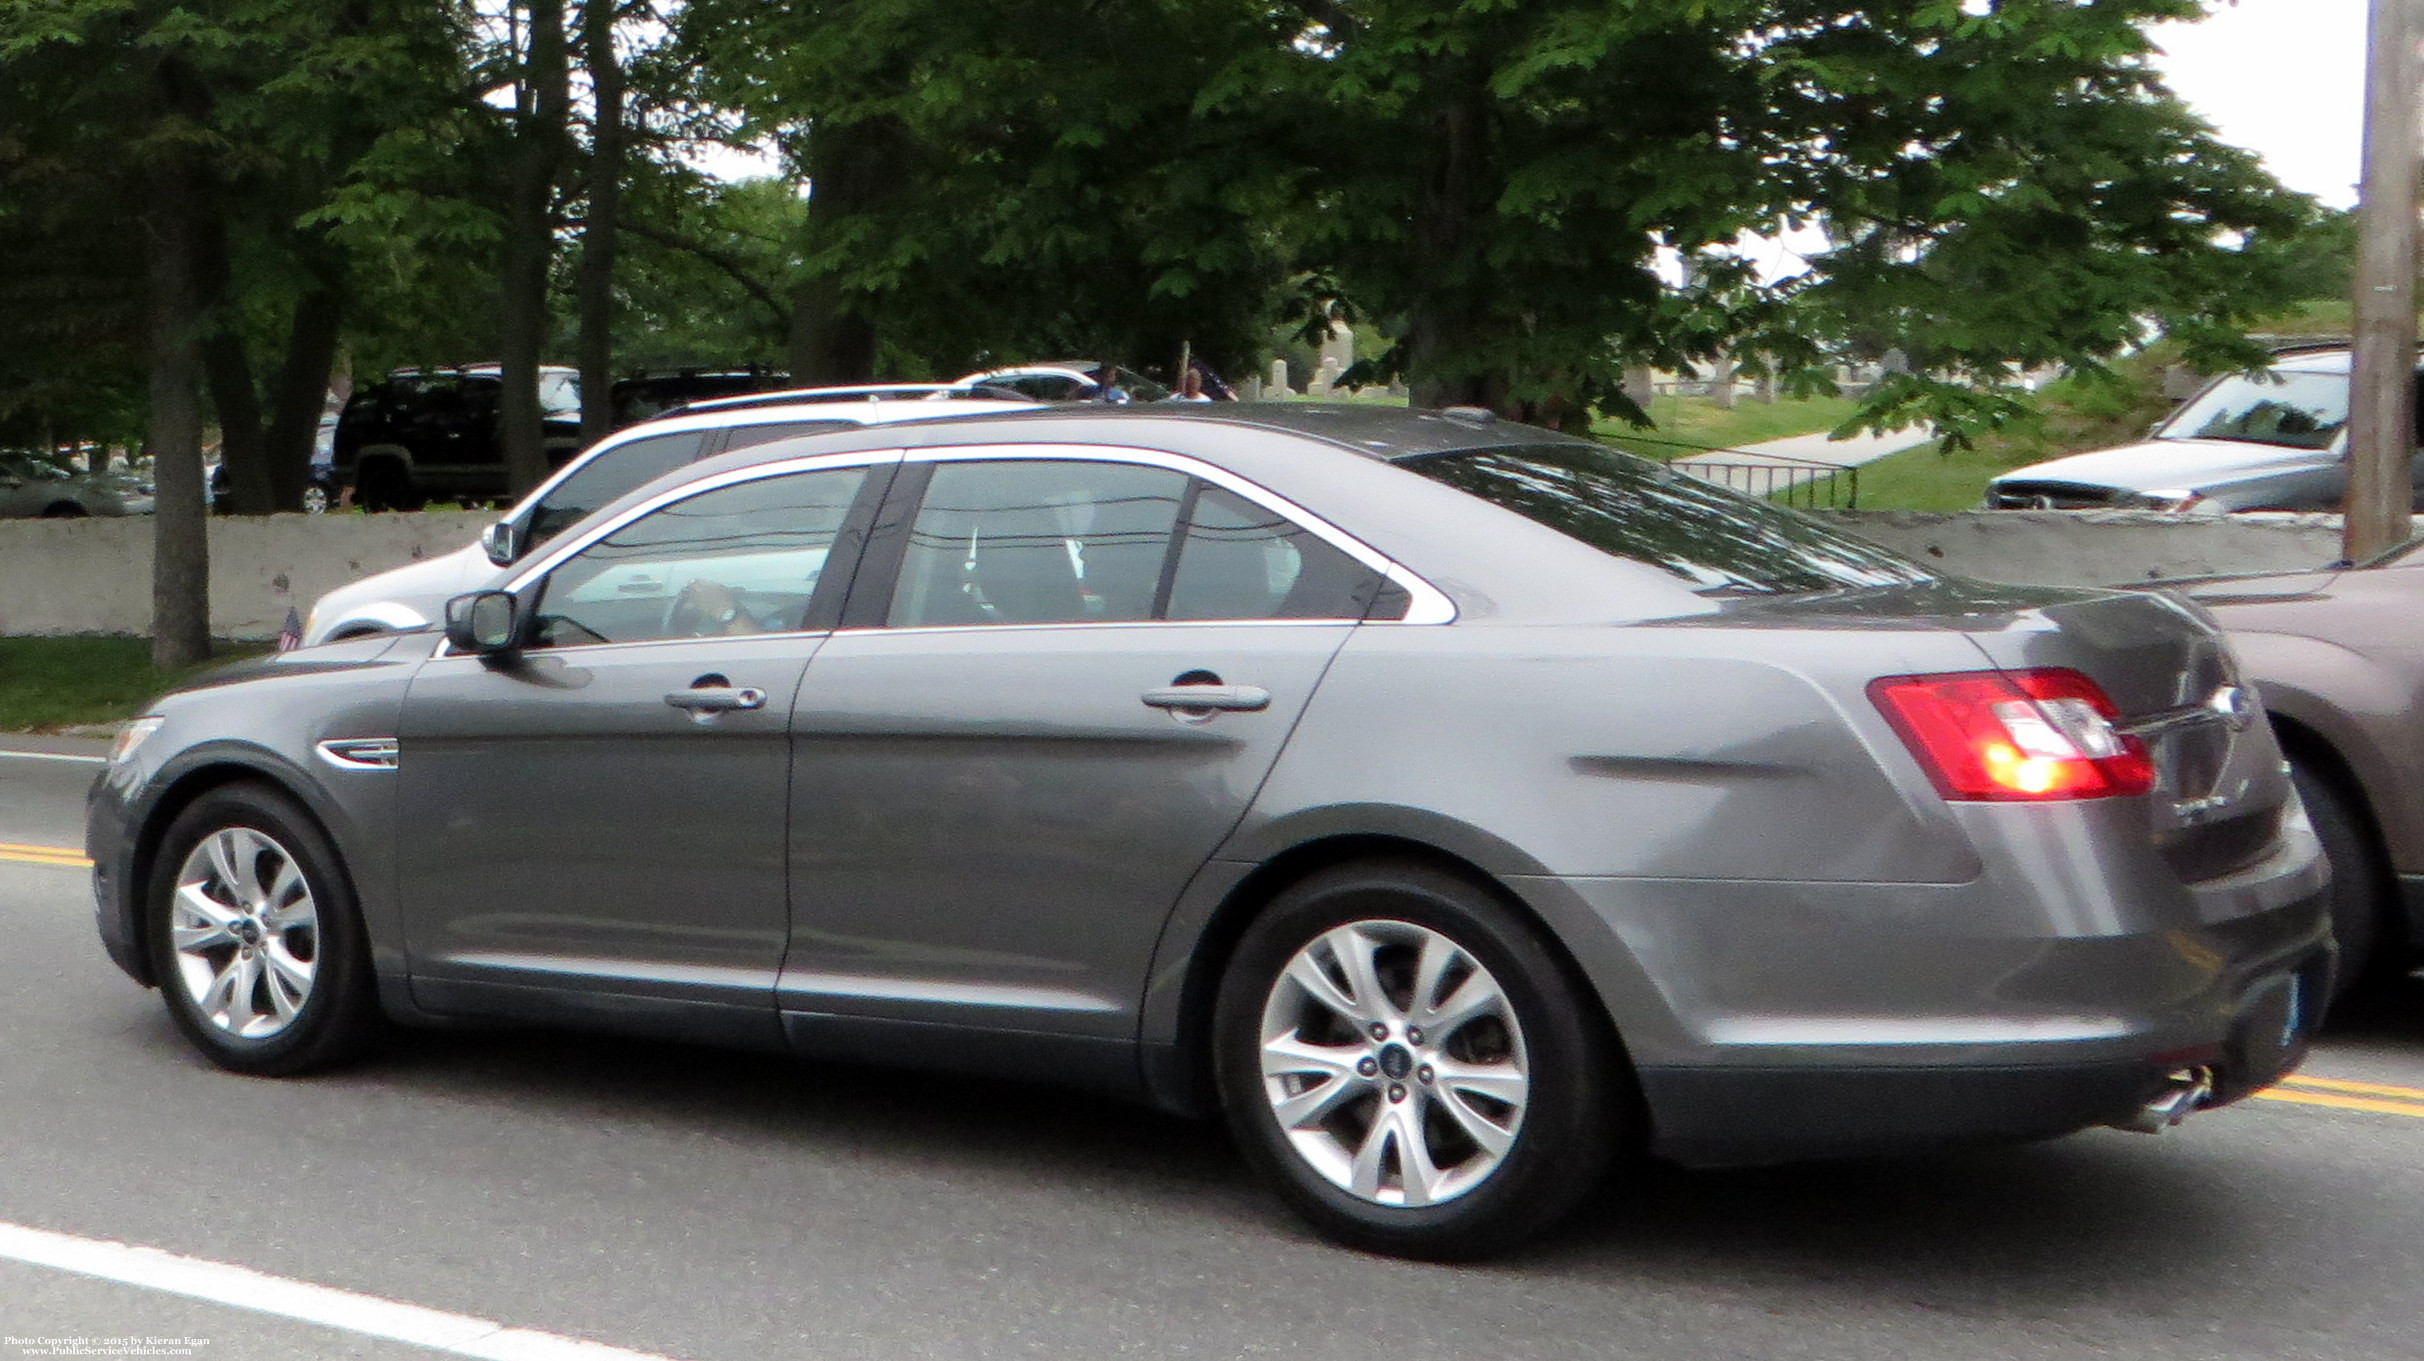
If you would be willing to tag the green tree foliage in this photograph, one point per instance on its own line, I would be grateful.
(2006, 185)
(1018, 179)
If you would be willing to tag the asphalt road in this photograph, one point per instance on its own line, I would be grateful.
(711, 1206)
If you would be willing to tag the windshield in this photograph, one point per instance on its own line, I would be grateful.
(2295, 410)
(1644, 512)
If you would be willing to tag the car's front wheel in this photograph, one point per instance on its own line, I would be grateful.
(2363, 900)
(256, 940)
(1410, 1064)
(315, 499)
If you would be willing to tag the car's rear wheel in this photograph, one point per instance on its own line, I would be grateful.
(2362, 897)
(64, 510)
(1411, 1066)
(315, 499)
(256, 940)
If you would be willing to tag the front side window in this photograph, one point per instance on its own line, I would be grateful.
(607, 475)
(1037, 542)
(1631, 508)
(738, 560)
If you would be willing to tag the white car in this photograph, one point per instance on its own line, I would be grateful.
(413, 597)
(1068, 380)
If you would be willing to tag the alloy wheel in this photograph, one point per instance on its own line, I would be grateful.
(244, 932)
(1394, 1063)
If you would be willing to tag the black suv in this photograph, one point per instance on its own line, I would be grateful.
(431, 434)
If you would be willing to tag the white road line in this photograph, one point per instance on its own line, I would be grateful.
(243, 1288)
(52, 756)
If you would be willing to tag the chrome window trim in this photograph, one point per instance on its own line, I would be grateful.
(1427, 604)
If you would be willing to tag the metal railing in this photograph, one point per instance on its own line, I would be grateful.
(1805, 484)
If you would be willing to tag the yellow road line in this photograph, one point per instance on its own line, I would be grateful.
(2333, 1084)
(43, 855)
(2343, 1103)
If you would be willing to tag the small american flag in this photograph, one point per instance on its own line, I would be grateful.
(290, 633)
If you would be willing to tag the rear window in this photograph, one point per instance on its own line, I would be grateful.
(1641, 511)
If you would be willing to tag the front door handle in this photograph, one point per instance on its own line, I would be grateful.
(716, 699)
(1202, 698)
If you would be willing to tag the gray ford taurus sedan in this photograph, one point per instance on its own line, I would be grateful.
(1454, 805)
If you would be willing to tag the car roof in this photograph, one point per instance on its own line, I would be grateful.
(872, 412)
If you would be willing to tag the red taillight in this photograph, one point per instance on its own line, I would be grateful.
(2015, 735)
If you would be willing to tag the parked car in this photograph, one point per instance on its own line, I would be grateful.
(321, 491)
(427, 435)
(2337, 657)
(410, 597)
(1454, 804)
(644, 396)
(1070, 380)
(2271, 441)
(32, 486)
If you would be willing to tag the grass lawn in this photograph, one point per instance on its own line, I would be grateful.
(1690, 425)
(52, 683)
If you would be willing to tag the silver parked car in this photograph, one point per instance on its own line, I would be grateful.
(32, 487)
(1454, 805)
(408, 598)
(2276, 440)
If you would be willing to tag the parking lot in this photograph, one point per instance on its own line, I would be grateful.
(695, 1204)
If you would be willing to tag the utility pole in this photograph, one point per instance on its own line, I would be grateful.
(2382, 374)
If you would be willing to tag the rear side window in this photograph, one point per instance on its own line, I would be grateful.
(1643, 512)
(1241, 561)
(610, 474)
(1037, 542)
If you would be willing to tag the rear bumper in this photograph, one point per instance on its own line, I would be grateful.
(1731, 1116)
(2059, 990)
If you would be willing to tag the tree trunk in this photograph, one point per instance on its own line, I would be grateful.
(301, 393)
(238, 407)
(180, 531)
(830, 342)
(595, 303)
(1446, 318)
(854, 171)
(529, 245)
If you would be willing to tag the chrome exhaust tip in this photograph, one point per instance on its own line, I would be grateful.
(2185, 1090)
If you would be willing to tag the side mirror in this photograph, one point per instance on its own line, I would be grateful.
(483, 623)
(502, 542)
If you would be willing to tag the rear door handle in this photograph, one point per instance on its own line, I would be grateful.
(717, 699)
(1234, 698)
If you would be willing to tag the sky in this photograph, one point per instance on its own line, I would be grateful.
(2282, 78)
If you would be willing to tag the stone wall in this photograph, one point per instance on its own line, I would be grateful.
(94, 576)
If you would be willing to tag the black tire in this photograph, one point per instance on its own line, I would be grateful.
(2364, 923)
(1574, 1119)
(338, 1014)
(64, 510)
(384, 485)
